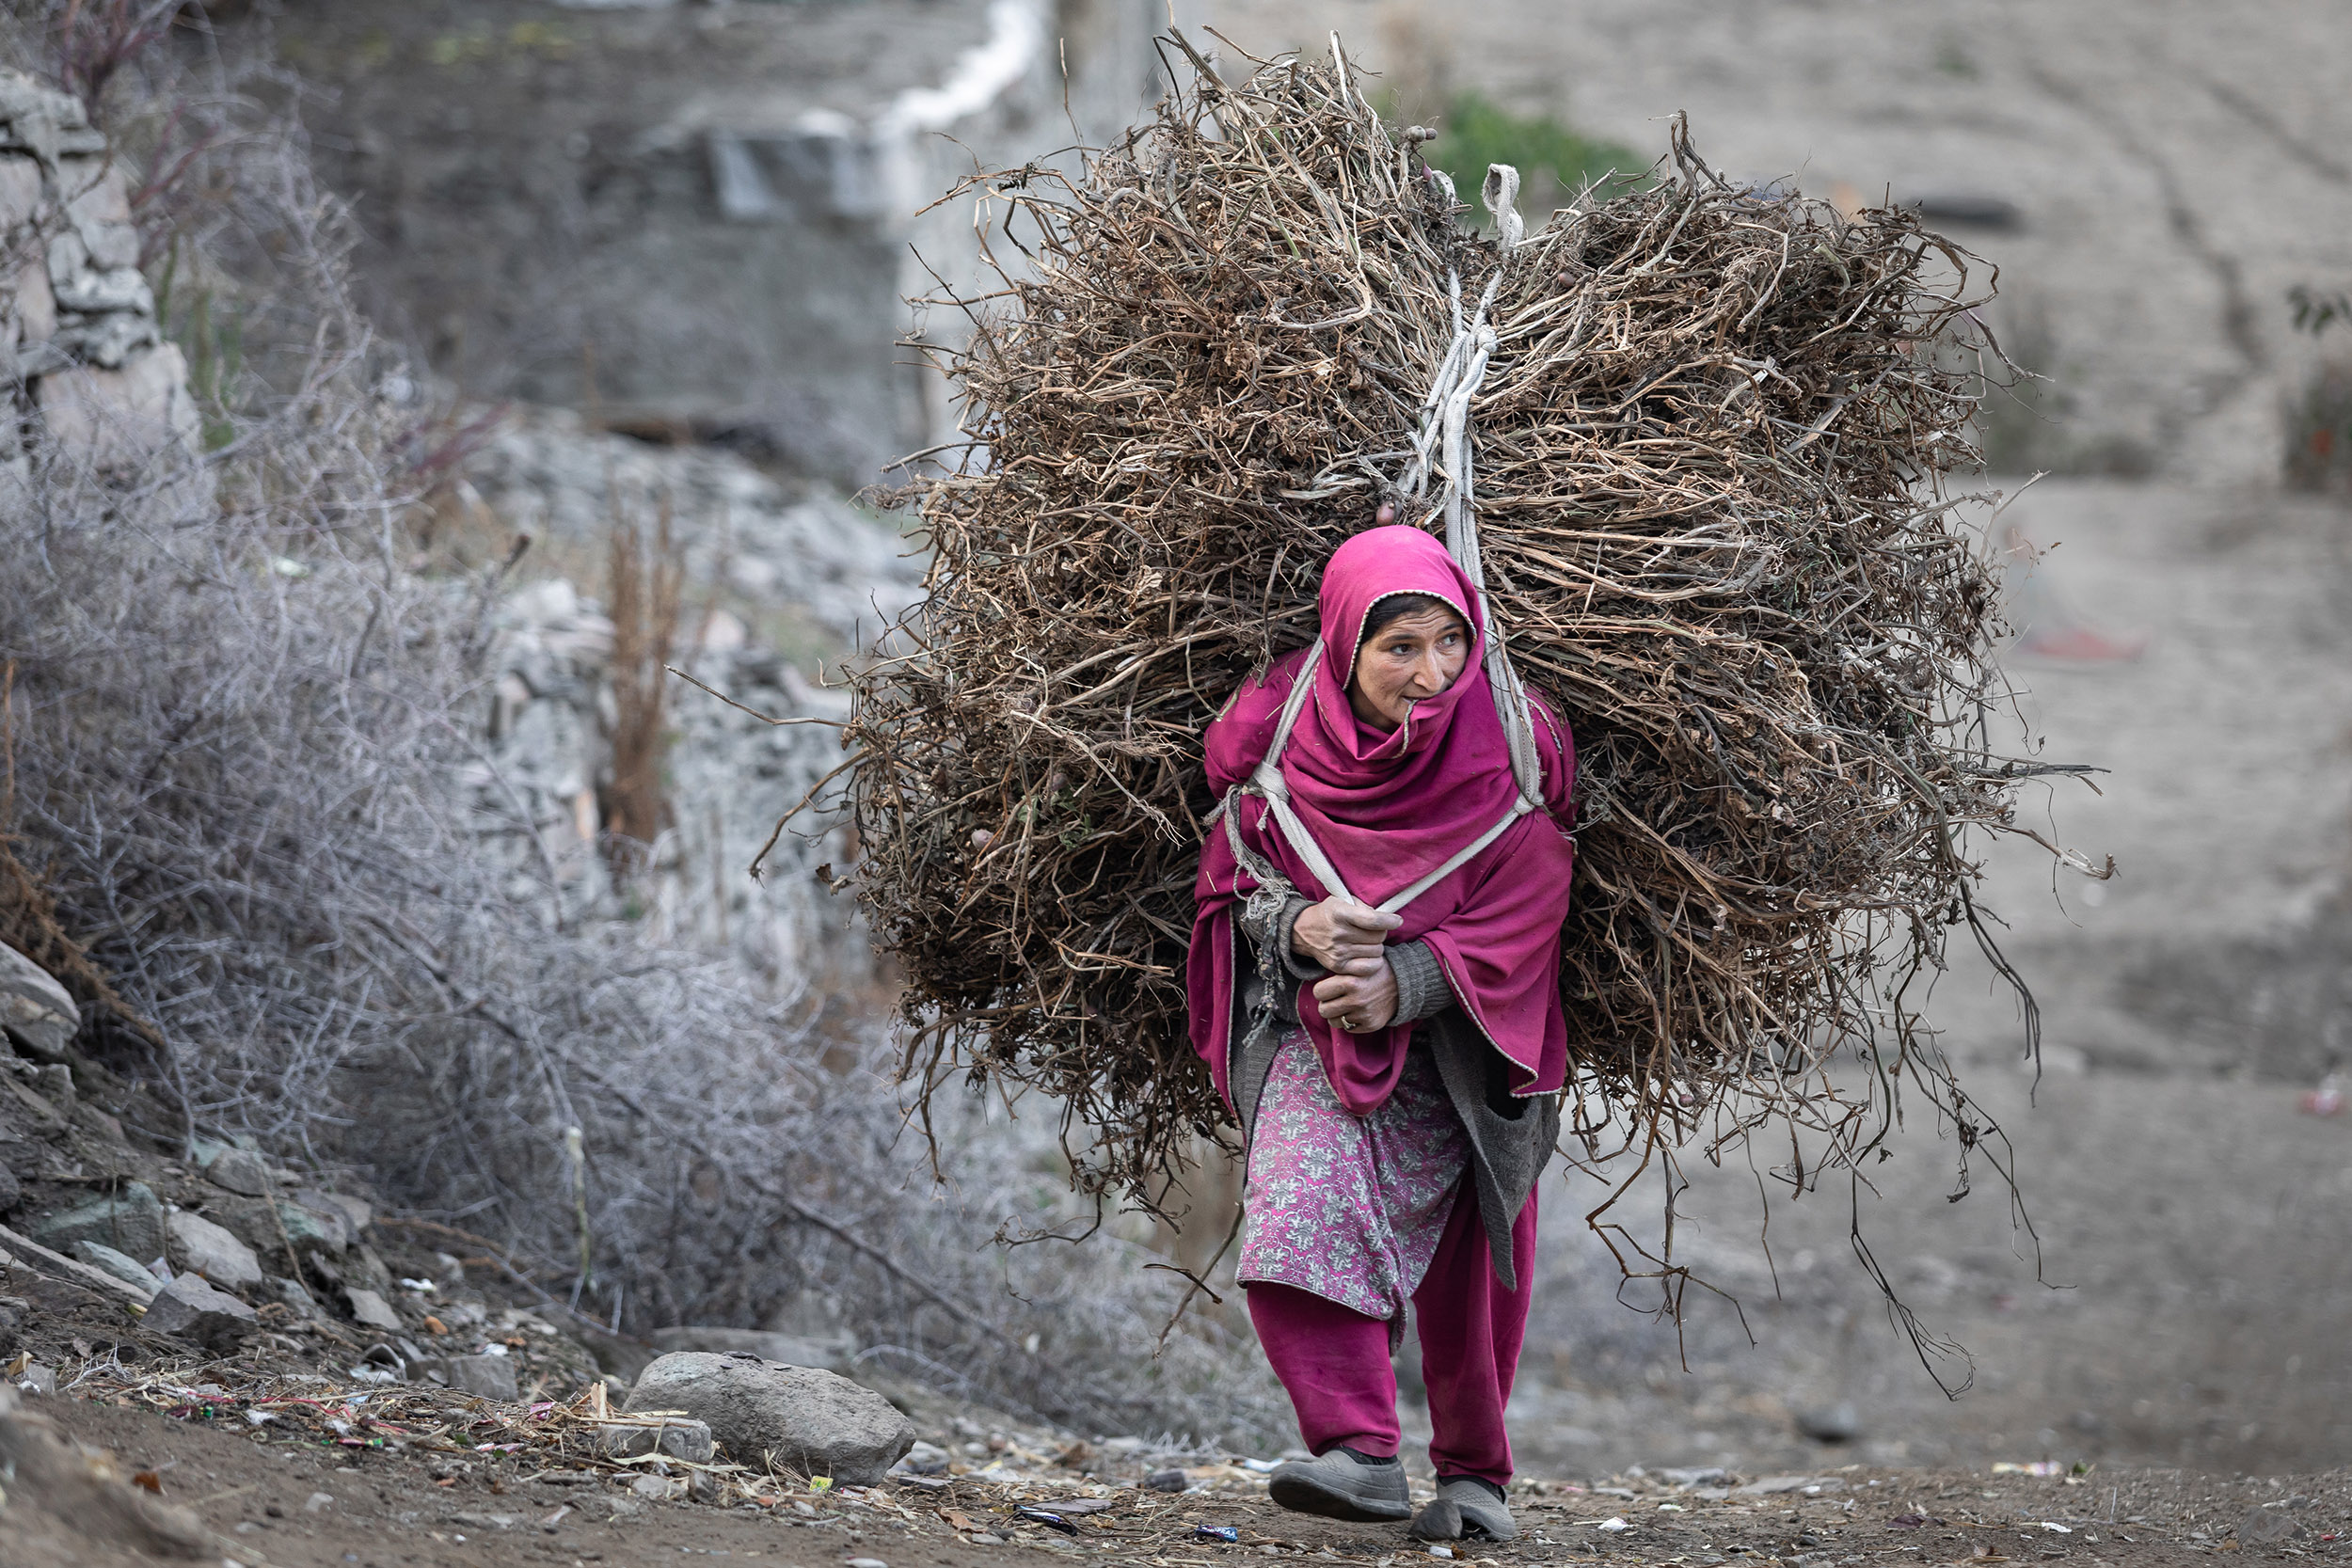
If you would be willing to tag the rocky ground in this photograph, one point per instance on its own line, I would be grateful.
(413, 1399)
(293, 1491)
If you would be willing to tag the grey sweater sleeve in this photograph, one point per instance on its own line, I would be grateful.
(1421, 990)
(1275, 932)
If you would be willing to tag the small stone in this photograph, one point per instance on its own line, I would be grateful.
(1768, 1486)
(11, 1194)
(191, 1309)
(36, 318)
(241, 1171)
(354, 1212)
(924, 1459)
(102, 215)
(491, 1377)
(296, 1298)
(1168, 1480)
(2267, 1526)
(20, 191)
(131, 1221)
(129, 1270)
(211, 1251)
(372, 1310)
(814, 1421)
(38, 1014)
(1834, 1423)
(56, 1085)
(315, 1230)
(685, 1440)
(318, 1501)
(658, 1488)
(867, 1562)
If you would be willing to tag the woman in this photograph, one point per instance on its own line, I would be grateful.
(1394, 1071)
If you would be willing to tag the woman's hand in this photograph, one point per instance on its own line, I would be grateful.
(1361, 999)
(1338, 932)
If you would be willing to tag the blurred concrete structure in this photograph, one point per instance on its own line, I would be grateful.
(700, 218)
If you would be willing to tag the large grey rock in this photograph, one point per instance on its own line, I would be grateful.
(792, 1350)
(211, 1251)
(811, 1420)
(131, 1221)
(188, 1309)
(37, 1013)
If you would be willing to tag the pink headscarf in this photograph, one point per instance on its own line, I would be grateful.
(1386, 810)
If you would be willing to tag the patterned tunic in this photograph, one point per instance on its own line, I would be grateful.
(1349, 1208)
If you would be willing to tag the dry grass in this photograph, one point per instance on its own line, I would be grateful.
(1709, 451)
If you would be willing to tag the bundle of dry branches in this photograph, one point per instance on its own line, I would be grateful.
(1709, 448)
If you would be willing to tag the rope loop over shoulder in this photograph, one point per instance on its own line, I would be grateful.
(1442, 446)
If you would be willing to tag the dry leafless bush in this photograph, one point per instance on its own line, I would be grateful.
(239, 726)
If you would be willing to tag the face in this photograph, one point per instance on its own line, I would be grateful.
(1409, 660)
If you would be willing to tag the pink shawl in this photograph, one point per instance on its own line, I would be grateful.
(1387, 809)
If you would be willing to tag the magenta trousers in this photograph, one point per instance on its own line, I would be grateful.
(1334, 1361)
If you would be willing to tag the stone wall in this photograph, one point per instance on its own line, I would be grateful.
(82, 360)
(776, 578)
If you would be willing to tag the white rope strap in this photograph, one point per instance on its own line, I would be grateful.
(1444, 443)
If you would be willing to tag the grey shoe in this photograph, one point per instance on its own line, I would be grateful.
(1440, 1519)
(1463, 1508)
(1337, 1485)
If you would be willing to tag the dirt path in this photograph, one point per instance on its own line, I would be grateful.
(275, 1501)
